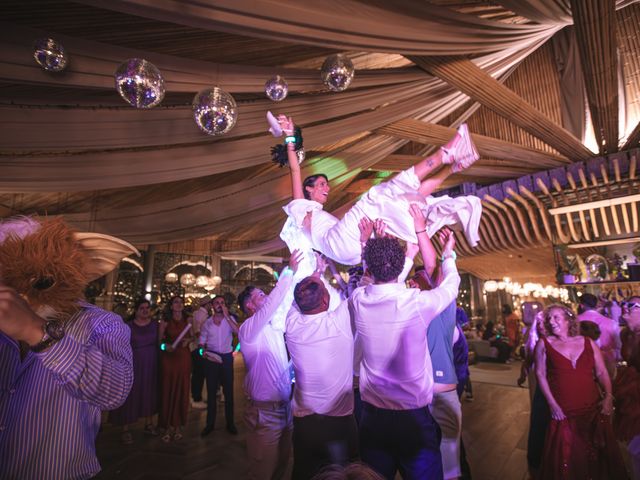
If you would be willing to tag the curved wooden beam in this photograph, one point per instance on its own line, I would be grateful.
(530, 212)
(470, 79)
(542, 209)
(520, 239)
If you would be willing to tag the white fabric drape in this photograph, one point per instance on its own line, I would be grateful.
(411, 27)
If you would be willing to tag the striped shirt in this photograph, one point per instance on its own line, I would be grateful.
(50, 402)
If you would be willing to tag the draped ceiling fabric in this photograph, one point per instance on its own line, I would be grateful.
(70, 146)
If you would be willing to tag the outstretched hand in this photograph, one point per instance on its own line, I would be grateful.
(287, 125)
(321, 264)
(412, 250)
(366, 229)
(419, 222)
(17, 319)
(448, 239)
(380, 228)
(295, 259)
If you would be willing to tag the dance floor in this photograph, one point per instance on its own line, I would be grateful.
(494, 431)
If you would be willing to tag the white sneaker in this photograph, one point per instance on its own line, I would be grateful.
(460, 151)
(275, 129)
(199, 405)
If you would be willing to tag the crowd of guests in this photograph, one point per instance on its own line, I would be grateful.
(173, 354)
(379, 371)
(585, 390)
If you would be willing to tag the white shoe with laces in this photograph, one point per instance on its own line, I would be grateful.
(461, 153)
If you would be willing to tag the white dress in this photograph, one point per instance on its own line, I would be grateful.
(389, 201)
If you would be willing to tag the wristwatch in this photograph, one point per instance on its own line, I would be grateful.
(53, 332)
(451, 254)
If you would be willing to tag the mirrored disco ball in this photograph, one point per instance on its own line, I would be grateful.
(597, 268)
(215, 111)
(337, 72)
(140, 83)
(276, 88)
(50, 54)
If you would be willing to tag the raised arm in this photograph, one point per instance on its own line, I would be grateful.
(541, 374)
(97, 370)
(229, 319)
(424, 243)
(251, 328)
(288, 127)
(602, 377)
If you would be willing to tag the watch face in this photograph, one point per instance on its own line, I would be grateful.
(54, 329)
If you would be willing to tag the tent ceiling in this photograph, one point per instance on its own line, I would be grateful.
(69, 145)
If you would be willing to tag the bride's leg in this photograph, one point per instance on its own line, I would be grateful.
(428, 165)
(428, 186)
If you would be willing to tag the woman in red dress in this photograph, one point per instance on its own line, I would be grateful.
(580, 443)
(176, 371)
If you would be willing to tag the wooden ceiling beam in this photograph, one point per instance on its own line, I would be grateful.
(633, 140)
(433, 134)
(595, 27)
(470, 79)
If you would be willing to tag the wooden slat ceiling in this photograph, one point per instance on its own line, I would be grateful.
(535, 127)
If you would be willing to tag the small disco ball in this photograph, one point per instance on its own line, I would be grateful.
(140, 83)
(215, 111)
(276, 88)
(337, 72)
(50, 55)
(597, 268)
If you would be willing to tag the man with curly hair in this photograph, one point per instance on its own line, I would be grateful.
(397, 431)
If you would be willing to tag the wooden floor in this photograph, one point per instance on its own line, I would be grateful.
(494, 431)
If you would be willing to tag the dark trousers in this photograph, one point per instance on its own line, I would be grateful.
(219, 373)
(320, 440)
(538, 424)
(404, 440)
(197, 375)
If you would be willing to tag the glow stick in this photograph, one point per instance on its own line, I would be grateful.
(175, 343)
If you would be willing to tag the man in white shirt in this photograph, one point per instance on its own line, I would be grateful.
(397, 431)
(197, 362)
(268, 382)
(321, 346)
(216, 337)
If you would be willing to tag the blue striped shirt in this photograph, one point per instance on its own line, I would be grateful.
(50, 402)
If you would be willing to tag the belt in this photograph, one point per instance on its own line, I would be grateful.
(277, 405)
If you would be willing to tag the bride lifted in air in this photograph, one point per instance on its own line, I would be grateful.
(309, 225)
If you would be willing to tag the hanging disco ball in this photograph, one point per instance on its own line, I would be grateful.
(50, 55)
(187, 279)
(276, 88)
(140, 83)
(215, 111)
(337, 72)
(597, 268)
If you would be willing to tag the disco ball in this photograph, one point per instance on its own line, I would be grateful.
(50, 54)
(276, 88)
(188, 280)
(140, 83)
(337, 72)
(215, 111)
(597, 268)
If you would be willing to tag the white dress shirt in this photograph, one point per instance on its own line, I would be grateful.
(268, 378)
(391, 321)
(217, 338)
(321, 348)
